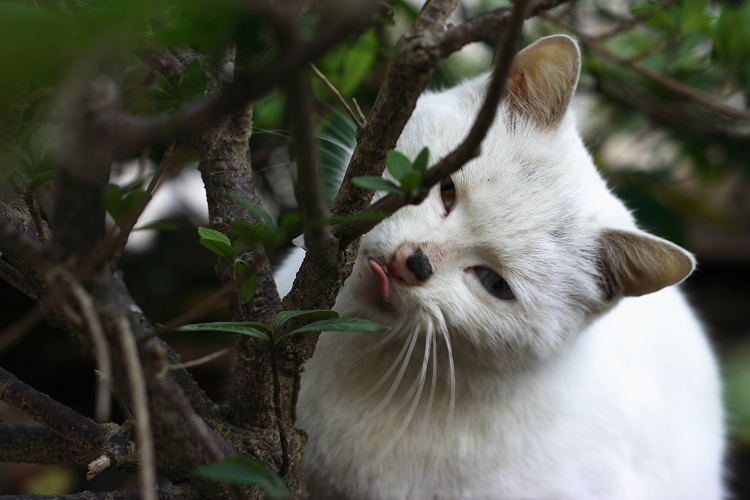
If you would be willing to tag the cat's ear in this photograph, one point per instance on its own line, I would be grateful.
(635, 263)
(542, 80)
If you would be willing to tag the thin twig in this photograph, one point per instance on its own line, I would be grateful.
(36, 216)
(362, 118)
(664, 81)
(202, 360)
(98, 338)
(470, 147)
(634, 21)
(136, 132)
(336, 93)
(139, 397)
(196, 312)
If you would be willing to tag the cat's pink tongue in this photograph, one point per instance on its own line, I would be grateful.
(381, 279)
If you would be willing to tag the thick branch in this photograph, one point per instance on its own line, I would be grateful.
(36, 444)
(176, 492)
(60, 418)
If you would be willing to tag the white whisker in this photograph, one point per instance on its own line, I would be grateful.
(433, 382)
(388, 372)
(399, 375)
(452, 369)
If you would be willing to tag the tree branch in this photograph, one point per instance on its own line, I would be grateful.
(39, 445)
(175, 492)
(135, 133)
(309, 187)
(675, 86)
(63, 420)
(486, 25)
(470, 147)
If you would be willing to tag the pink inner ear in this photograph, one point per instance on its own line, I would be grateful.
(381, 278)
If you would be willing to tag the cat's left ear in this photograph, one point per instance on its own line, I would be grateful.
(542, 80)
(634, 263)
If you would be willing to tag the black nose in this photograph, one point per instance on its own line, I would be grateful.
(419, 264)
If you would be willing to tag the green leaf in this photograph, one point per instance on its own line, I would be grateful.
(258, 211)
(23, 155)
(41, 178)
(112, 200)
(246, 289)
(220, 248)
(252, 234)
(243, 470)
(411, 182)
(192, 83)
(252, 329)
(339, 325)
(358, 61)
(211, 234)
(217, 242)
(42, 141)
(377, 184)
(422, 160)
(285, 316)
(132, 205)
(398, 164)
(164, 85)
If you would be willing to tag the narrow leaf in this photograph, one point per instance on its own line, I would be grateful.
(164, 84)
(411, 182)
(157, 225)
(244, 470)
(41, 178)
(285, 316)
(339, 325)
(257, 330)
(377, 184)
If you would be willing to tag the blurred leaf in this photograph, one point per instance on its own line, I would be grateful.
(164, 85)
(246, 289)
(377, 184)
(411, 182)
(422, 160)
(252, 234)
(398, 164)
(251, 329)
(243, 470)
(285, 316)
(42, 141)
(41, 178)
(192, 83)
(211, 234)
(257, 210)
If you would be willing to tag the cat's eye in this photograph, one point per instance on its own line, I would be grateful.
(494, 283)
(448, 194)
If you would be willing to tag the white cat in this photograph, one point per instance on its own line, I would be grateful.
(537, 348)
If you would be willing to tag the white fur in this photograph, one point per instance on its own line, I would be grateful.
(559, 394)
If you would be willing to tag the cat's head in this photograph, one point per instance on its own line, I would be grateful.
(524, 246)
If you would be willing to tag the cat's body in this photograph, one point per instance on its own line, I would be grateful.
(544, 383)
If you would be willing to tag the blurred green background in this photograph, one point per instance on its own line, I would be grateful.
(680, 161)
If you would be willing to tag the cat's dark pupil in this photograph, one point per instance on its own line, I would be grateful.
(447, 187)
(448, 194)
(496, 285)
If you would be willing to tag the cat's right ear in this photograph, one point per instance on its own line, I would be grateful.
(634, 263)
(542, 80)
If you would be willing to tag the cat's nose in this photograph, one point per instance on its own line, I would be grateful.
(410, 265)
